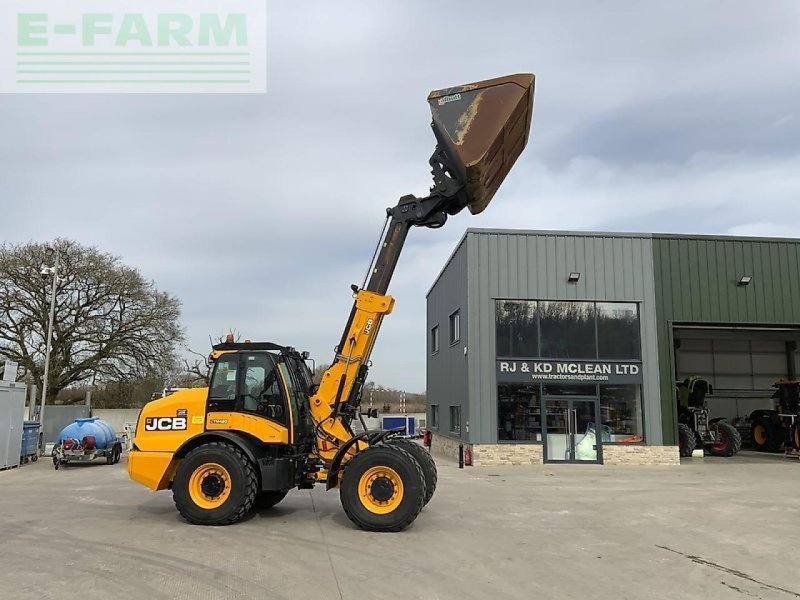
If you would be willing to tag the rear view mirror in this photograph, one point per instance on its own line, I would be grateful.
(481, 129)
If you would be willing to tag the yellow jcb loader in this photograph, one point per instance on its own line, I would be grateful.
(263, 428)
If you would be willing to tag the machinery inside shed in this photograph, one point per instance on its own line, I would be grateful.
(743, 365)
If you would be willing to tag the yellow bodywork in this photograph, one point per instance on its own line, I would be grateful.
(152, 462)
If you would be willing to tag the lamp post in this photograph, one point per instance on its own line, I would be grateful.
(46, 272)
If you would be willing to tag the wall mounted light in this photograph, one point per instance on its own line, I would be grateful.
(745, 280)
(573, 277)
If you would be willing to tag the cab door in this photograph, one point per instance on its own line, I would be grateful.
(247, 395)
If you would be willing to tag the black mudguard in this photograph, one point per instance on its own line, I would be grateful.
(371, 436)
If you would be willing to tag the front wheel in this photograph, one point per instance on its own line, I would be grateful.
(767, 435)
(687, 441)
(215, 484)
(382, 489)
(729, 440)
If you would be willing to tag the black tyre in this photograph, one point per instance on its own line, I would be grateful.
(767, 435)
(110, 457)
(34, 457)
(382, 489)
(796, 436)
(117, 453)
(265, 500)
(686, 440)
(215, 484)
(425, 461)
(729, 440)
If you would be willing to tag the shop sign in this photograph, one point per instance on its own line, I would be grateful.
(588, 371)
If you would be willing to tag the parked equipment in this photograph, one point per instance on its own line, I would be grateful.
(30, 442)
(86, 440)
(263, 428)
(772, 430)
(407, 422)
(695, 430)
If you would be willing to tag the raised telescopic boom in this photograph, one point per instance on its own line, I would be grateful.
(481, 129)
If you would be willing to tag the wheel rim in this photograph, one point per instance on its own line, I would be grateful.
(722, 444)
(760, 435)
(210, 486)
(380, 490)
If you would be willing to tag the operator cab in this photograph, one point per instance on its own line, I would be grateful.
(262, 379)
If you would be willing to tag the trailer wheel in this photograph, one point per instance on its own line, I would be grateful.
(265, 500)
(215, 484)
(425, 461)
(767, 435)
(117, 453)
(687, 441)
(729, 441)
(34, 457)
(382, 489)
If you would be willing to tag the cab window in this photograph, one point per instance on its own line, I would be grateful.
(261, 388)
(223, 385)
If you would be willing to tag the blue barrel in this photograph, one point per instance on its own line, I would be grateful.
(30, 438)
(104, 434)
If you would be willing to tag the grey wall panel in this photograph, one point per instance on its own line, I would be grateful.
(447, 370)
(535, 265)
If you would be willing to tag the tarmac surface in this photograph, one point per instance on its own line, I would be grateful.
(711, 528)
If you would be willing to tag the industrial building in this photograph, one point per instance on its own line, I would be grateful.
(535, 337)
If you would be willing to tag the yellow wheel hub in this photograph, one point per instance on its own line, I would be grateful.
(380, 490)
(760, 435)
(797, 438)
(210, 486)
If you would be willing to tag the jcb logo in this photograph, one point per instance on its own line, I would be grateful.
(165, 423)
(368, 326)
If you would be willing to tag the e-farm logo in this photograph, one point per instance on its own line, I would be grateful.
(151, 46)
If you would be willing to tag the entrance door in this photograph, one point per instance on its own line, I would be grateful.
(570, 429)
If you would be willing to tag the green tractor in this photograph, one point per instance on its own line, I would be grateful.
(774, 430)
(695, 430)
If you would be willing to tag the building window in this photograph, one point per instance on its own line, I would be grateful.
(618, 330)
(455, 327)
(621, 412)
(517, 329)
(567, 330)
(435, 415)
(455, 419)
(519, 413)
(435, 340)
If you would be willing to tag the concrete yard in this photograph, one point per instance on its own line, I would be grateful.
(712, 528)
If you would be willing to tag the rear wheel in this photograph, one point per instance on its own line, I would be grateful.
(425, 461)
(215, 484)
(265, 500)
(382, 489)
(728, 443)
(686, 440)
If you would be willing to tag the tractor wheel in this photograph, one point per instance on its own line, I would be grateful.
(687, 441)
(425, 461)
(767, 435)
(382, 489)
(215, 484)
(729, 441)
(265, 500)
(796, 436)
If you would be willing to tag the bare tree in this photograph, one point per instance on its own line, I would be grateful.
(110, 322)
(197, 372)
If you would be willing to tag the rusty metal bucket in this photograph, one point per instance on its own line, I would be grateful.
(482, 129)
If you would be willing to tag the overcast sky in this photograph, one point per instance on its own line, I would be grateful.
(258, 211)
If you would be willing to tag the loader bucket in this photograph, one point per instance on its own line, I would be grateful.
(482, 129)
